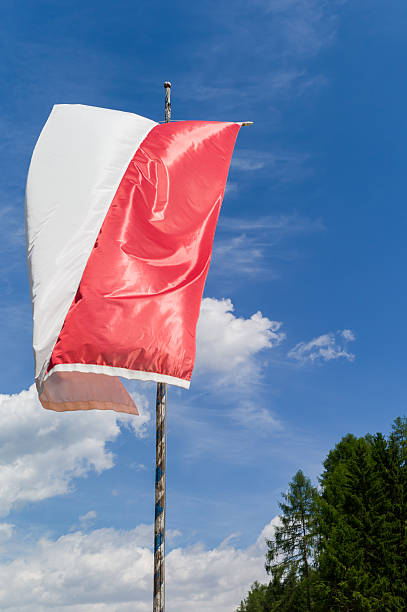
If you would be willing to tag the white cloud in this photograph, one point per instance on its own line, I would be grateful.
(256, 415)
(227, 344)
(307, 25)
(258, 245)
(277, 225)
(139, 467)
(12, 230)
(249, 162)
(324, 348)
(87, 518)
(6, 531)
(111, 570)
(276, 57)
(348, 335)
(281, 166)
(231, 188)
(241, 255)
(41, 451)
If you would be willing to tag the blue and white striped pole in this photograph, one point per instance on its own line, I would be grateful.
(161, 464)
(160, 499)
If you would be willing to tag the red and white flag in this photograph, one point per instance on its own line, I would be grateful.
(120, 213)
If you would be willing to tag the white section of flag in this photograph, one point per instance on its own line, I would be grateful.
(76, 168)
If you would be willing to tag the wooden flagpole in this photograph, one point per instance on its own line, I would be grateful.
(161, 464)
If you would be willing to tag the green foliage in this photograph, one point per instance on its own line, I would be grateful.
(282, 594)
(256, 599)
(361, 520)
(291, 550)
(343, 547)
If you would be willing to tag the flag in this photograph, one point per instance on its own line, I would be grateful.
(120, 216)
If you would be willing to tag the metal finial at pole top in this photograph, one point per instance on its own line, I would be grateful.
(167, 86)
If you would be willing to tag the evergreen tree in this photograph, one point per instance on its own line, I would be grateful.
(397, 514)
(290, 553)
(344, 548)
(346, 527)
(361, 518)
(256, 600)
(283, 594)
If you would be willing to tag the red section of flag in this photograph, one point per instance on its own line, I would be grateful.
(138, 302)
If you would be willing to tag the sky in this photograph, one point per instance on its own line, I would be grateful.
(302, 333)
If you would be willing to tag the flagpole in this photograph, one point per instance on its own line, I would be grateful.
(161, 463)
(160, 498)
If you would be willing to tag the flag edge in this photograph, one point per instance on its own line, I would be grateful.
(114, 371)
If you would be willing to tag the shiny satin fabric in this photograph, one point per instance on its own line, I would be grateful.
(138, 301)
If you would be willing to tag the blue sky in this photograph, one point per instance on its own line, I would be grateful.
(312, 235)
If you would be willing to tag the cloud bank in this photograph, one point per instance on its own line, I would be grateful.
(109, 570)
(41, 451)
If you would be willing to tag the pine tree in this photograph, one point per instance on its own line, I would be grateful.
(346, 526)
(256, 600)
(344, 548)
(290, 553)
(361, 557)
(283, 594)
(397, 518)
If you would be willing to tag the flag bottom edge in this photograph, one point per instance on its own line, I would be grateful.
(113, 371)
(88, 405)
